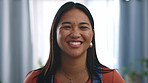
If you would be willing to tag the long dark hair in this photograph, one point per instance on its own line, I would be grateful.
(54, 59)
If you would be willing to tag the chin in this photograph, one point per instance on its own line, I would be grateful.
(76, 55)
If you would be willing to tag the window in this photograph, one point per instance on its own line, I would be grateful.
(106, 18)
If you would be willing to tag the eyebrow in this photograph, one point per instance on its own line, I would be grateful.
(84, 23)
(66, 23)
(71, 23)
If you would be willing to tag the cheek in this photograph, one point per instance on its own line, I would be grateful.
(89, 36)
(58, 35)
(61, 35)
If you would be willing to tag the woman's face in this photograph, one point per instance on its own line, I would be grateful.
(74, 33)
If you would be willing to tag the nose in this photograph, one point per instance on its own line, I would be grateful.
(75, 34)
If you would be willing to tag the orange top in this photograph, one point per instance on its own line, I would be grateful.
(111, 77)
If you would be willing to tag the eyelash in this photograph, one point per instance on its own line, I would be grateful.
(84, 27)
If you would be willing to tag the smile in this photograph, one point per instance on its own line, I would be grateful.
(75, 44)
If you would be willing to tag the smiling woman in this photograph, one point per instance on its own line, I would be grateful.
(74, 33)
(71, 57)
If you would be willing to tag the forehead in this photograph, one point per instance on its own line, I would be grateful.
(74, 14)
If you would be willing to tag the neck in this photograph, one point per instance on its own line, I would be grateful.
(73, 65)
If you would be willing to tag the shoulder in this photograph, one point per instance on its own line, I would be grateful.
(32, 76)
(112, 76)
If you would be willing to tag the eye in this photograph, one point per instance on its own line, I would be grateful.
(66, 27)
(84, 28)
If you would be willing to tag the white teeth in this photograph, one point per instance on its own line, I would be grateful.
(75, 43)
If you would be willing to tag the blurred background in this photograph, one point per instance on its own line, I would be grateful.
(121, 29)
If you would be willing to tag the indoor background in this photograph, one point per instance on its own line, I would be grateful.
(121, 29)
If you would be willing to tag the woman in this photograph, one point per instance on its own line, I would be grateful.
(73, 57)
